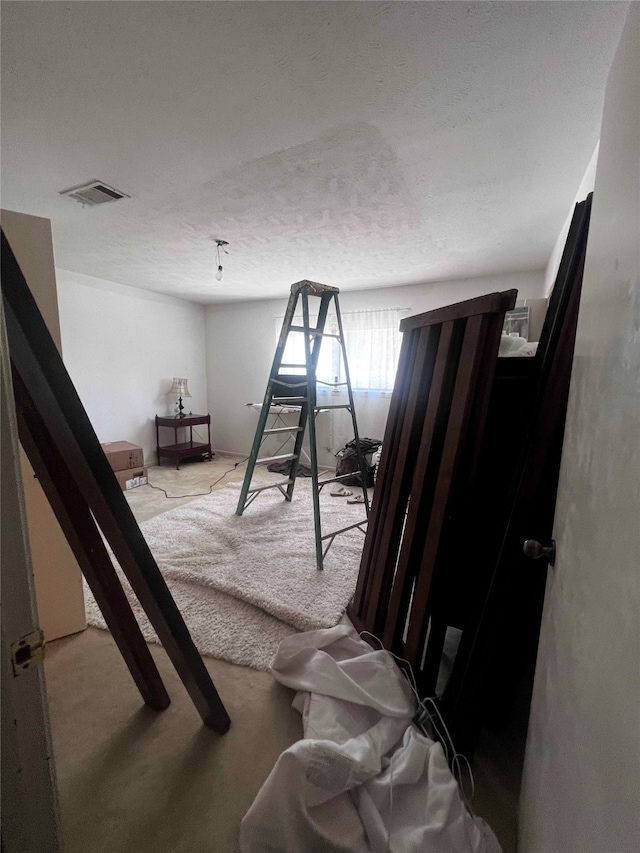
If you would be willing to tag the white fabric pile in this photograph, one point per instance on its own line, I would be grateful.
(363, 779)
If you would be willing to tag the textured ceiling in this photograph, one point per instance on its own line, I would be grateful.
(360, 144)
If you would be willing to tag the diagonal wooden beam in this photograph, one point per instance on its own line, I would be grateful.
(79, 528)
(37, 361)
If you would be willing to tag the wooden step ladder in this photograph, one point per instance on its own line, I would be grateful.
(299, 390)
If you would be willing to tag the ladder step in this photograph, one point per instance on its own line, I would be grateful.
(344, 529)
(302, 329)
(284, 457)
(313, 288)
(270, 486)
(328, 406)
(280, 430)
(315, 332)
(284, 400)
(337, 479)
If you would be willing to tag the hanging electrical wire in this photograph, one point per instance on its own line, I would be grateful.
(220, 245)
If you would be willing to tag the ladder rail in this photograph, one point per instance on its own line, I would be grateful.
(313, 449)
(311, 365)
(266, 403)
(361, 460)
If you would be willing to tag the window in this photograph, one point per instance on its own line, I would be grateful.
(372, 340)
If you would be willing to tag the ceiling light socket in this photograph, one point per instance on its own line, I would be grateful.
(220, 245)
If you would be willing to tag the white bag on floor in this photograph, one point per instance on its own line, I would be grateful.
(363, 779)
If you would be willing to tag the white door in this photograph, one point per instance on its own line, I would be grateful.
(581, 784)
(29, 812)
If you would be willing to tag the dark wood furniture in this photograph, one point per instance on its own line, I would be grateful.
(432, 440)
(183, 449)
(500, 607)
(67, 458)
(458, 493)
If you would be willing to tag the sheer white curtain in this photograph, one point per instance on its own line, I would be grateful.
(372, 339)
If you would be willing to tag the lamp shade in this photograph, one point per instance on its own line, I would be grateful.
(179, 388)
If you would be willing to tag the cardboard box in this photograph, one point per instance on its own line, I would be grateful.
(123, 454)
(132, 477)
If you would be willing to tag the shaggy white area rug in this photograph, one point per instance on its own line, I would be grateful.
(244, 583)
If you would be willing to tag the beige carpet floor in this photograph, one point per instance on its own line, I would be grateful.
(135, 781)
(132, 780)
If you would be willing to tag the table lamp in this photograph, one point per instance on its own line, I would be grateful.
(179, 389)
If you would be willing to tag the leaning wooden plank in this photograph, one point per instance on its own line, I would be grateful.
(534, 487)
(79, 528)
(40, 367)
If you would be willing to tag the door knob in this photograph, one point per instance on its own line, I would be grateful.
(534, 550)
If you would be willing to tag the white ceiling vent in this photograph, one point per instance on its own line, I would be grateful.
(93, 193)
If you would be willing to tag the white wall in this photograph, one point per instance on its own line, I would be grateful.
(241, 341)
(122, 347)
(581, 785)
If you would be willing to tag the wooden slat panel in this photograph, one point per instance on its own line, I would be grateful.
(374, 581)
(399, 482)
(423, 500)
(469, 362)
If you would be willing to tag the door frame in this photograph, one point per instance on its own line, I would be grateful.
(29, 804)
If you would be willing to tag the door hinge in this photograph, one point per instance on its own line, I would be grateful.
(27, 651)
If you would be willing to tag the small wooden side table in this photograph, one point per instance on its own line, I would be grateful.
(181, 450)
